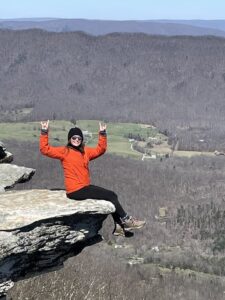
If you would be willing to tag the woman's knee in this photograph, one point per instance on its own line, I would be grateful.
(113, 196)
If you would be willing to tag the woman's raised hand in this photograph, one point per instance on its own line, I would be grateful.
(102, 126)
(45, 125)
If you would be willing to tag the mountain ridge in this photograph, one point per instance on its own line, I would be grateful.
(102, 27)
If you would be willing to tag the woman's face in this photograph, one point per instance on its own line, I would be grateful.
(76, 140)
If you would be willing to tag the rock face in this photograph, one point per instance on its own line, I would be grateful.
(5, 156)
(12, 174)
(7, 159)
(40, 228)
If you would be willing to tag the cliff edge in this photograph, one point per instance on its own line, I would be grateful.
(39, 229)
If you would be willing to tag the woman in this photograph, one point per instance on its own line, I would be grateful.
(75, 157)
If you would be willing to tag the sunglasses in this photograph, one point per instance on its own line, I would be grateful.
(76, 137)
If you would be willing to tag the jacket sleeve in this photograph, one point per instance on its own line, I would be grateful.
(99, 149)
(46, 149)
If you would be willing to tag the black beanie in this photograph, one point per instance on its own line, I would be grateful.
(75, 131)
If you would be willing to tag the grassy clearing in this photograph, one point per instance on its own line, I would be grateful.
(118, 143)
(192, 153)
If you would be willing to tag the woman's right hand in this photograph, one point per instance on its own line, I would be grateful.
(45, 125)
(102, 126)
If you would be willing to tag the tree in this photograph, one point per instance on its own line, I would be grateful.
(73, 121)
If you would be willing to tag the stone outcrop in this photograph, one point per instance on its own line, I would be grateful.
(7, 159)
(5, 156)
(11, 174)
(39, 229)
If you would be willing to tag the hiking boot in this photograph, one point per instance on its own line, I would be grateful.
(133, 223)
(118, 230)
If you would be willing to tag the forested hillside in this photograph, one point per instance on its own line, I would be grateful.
(176, 83)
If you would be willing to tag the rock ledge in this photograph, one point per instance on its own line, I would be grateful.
(39, 229)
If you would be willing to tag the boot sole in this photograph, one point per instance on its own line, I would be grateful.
(126, 234)
(133, 228)
(118, 234)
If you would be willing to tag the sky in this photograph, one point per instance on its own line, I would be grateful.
(114, 9)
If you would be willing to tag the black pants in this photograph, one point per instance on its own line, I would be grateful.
(96, 192)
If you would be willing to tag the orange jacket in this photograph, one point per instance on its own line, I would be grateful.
(74, 163)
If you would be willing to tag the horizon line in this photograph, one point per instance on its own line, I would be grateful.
(114, 20)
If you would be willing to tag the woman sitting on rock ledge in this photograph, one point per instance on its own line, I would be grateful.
(75, 158)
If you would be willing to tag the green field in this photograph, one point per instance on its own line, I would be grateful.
(118, 142)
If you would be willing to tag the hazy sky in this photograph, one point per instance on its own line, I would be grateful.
(114, 9)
